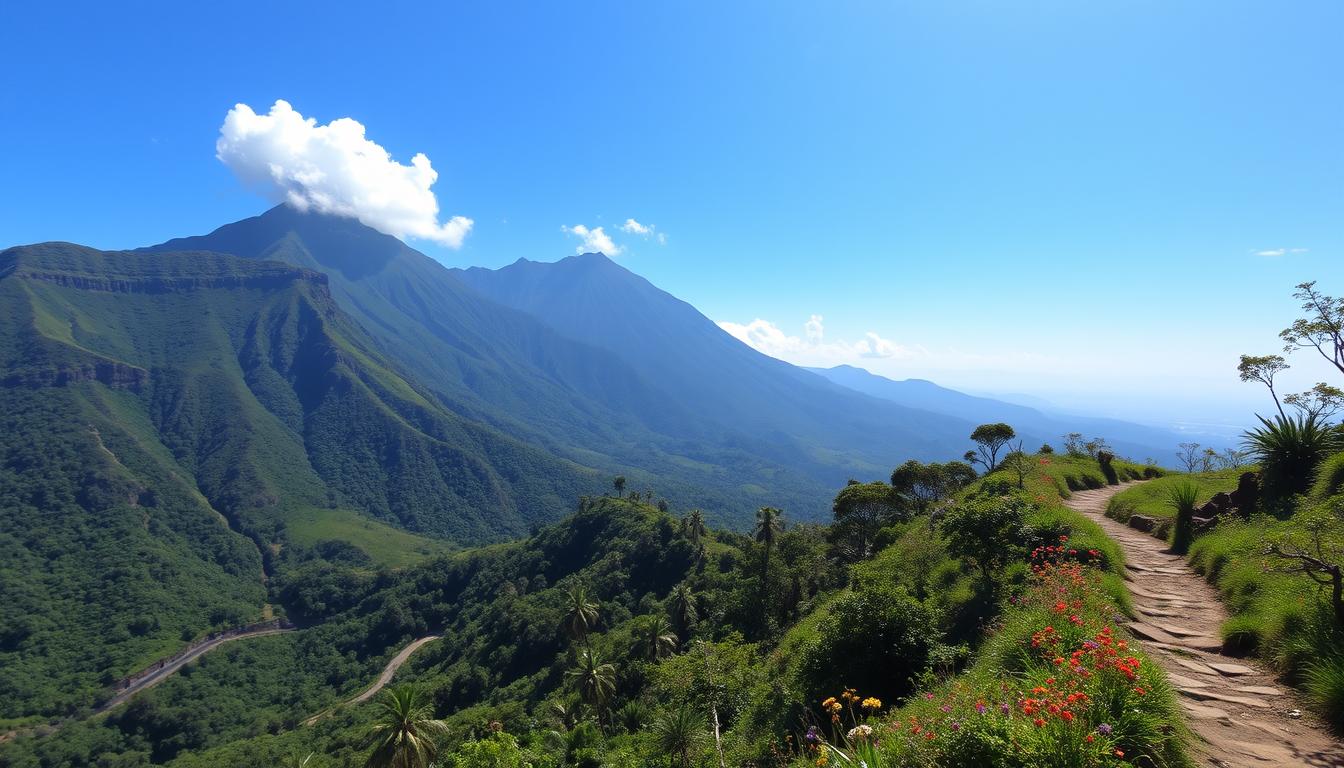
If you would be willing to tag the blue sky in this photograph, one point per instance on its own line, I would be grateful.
(1063, 199)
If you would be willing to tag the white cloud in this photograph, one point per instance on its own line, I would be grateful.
(635, 228)
(662, 238)
(812, 348)
(334, 169)
(1275, 252)
(594, 240)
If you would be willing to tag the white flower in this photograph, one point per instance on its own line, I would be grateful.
(860, 732)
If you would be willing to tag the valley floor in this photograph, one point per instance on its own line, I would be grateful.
(1239, 711)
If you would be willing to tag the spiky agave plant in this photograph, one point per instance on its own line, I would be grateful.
(1289, 450)
(681, 734)
(1183, 497)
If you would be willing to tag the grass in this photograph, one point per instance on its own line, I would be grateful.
(1153, 498)
(386, 545)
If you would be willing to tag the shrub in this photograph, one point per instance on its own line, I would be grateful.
(1329, 478)
(879, 636)
(1289, 452)
(1183, 497)
(1105, 459)
(1325, 687)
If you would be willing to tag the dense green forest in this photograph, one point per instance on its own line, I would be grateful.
(618, 634)
(166, 419)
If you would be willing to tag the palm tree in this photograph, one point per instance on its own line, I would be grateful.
(769, 522)
(594, 680)
(683, 610)
(580, 614)
(696, 531)
(618, 483)
(405, 735)
(680, 735)
(655, 637)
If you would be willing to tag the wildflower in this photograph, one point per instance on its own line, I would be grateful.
(859, 732)
(872, 703)
(1104, 729)
(980, 707)
(1066, 716)
(1039, 722)
(956, 726)
(1119, 753)
(812, 736)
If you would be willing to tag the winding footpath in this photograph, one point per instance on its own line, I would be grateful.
(386, 677)
(1239, 711)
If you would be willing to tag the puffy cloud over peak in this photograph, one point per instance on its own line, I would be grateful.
(635, 228)
(335, 169)
(592, 240)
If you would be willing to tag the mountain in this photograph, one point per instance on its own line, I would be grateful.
(813, 425)
(648, 387)
(1034, 425)
(176, 424)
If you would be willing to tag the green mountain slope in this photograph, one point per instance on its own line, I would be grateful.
(166, 416)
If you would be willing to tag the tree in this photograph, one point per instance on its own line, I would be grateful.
(1321, 402)
(927, 484)
(680, 734)
(1263, 368)
(683, 611)
(1319, 559)
(618, 483)
(1231, 458)
(860, 510)
(1020, 463)
(654, 637)
(769, 523)
(1322, 329)
(1073, 444)
(593, 680)
(404, 735)
(1189, 456)
(693, 525)
(1096, 446)
(989, 439)
(580, 614)
(987, 534)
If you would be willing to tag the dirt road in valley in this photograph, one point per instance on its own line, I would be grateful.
(1239, 710)
(389, 672)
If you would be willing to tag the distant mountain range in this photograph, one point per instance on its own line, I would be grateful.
(1033, 425)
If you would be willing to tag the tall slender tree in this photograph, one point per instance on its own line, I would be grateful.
(683, 611)
(594, 680)
(405, 735)
(769, 524)
(580, 614)
(654, 637)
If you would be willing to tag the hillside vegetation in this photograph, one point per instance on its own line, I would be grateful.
(166, 418)
(621, 634)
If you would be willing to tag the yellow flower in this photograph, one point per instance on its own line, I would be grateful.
(872, 703)
(827, 703)
(822, 761)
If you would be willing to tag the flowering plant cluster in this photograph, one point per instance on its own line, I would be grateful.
(1073, 694)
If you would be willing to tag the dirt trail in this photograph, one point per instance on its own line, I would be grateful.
(386, 677)
(1238, 710)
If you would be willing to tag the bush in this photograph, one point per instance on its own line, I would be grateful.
(878, 636)
(1183, 497)
(1289, 452)
(1105, 459)
(1329, 478)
